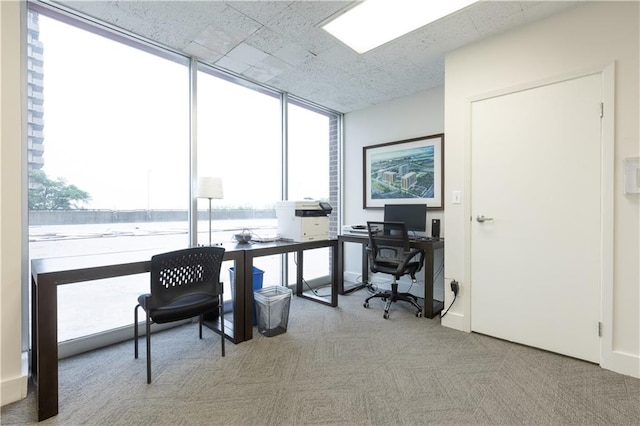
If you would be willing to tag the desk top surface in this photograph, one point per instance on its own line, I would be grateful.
(139, 260)
(435, 243)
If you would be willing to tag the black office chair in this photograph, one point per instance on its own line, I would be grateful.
(184, 284)
(389, 253)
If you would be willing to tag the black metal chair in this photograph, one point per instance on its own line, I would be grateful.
(184, 284)
(389, 252)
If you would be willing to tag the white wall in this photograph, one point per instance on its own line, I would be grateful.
(588, 36)
(13, 379)
(417, 115)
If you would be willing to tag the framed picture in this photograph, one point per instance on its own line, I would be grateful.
(404, 172)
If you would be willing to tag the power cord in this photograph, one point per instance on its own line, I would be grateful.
(313, 290)
(454, 288)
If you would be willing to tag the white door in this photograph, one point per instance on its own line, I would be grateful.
(535, 176)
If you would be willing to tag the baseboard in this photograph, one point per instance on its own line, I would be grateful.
(13, 389)
(453, 320)
(109, 337)
(624, 363)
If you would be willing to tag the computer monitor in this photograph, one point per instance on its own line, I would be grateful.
(414, 217)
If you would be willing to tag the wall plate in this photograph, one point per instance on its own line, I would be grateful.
(632, 175)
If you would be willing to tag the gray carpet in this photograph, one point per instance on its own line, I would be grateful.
(337, 366)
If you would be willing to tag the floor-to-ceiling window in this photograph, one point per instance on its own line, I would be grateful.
(311, 140)
(239, 140)
(108, 163)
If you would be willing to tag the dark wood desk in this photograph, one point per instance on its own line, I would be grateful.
(431, 307)
(267, 249)
(48, 274)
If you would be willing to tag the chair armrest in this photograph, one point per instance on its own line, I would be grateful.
(409, 258)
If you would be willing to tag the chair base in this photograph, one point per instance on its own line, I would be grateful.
(391, 296)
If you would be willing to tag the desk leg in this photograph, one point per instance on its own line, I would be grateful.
(247, 296)
(239, 310)
(365, 269)
(428, 311)
(335, 278)
(333, 275)
(299, 272)
(45, 347)
(340, 266)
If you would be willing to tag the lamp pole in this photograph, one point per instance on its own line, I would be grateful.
(209, 221)
(209, 188)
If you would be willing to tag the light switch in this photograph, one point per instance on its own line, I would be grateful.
(632, 175)
(457, 197)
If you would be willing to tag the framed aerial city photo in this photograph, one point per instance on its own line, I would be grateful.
(410, 171)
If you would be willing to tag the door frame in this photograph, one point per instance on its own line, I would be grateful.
(607, 73)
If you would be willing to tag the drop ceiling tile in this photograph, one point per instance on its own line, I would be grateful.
(339, 55)
(267, 69)
(491, 18)
(151, 19)
(260, 74)
(293, 54)
(454, 31)
(226, 30)
(420, 40)
(299, 29)
(267, 40)
(259, 11)
(318, 11)
(201, 52)
(232, 65)
(218, 40)
(247, 54)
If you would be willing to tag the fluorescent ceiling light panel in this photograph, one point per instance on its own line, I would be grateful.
(375, 22)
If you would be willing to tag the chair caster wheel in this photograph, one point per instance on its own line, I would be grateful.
(419, 314)
(366, 304)
(385, 315)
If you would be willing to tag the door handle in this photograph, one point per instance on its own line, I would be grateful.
(481, 218)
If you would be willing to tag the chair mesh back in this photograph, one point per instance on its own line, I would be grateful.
(183, 272)
(388, 234)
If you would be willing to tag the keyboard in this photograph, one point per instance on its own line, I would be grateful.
(425, 239)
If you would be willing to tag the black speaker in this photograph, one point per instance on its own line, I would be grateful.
(435, 228)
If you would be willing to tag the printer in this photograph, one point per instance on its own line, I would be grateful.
(303, 220)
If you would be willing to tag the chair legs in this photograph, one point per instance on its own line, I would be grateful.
(391, 296)
(148, 338)
(148, 334)
(221, 314)
(135, 332)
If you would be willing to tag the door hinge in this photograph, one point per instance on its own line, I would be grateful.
(599, 329)
(601, 109)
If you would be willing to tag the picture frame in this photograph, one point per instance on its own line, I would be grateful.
(409, 171)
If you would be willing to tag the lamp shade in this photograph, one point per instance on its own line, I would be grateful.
(209, 187)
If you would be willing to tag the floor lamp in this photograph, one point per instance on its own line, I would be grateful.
(210, 188)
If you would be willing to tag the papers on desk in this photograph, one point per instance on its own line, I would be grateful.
(350, 230)
(264, 239)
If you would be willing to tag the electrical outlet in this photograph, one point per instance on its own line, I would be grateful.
(455, 287)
